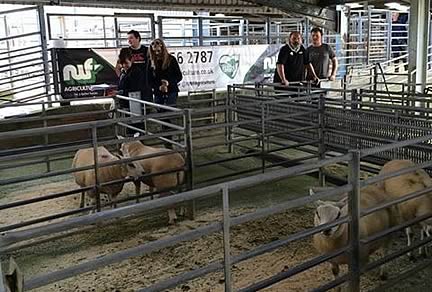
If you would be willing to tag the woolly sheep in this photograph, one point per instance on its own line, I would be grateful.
(405, 184)
(85, 178)
(337, 237)
(157, 164)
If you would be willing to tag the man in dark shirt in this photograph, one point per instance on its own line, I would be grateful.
(320, 55)
(140, 61)
(290, 66)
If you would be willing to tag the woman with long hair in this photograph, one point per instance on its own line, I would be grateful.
(166, 74)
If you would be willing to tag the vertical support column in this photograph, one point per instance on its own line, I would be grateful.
(389, 34)
(226, 239)
(46, 141)
(306, 32)
(268, 30)
(228, 118)
(160, 26)
(419, 27)
(96, 168)
(152, 27)
(44, 46)
(263, 133)
(369, 33)
(187, 118)
(354, 211)
(375, 82)
(116, 32)
(200, 32)
(321, 145)
(2, 282)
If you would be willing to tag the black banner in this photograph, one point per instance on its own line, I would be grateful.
(80, 70)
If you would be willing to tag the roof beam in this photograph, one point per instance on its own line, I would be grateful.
(323, 17)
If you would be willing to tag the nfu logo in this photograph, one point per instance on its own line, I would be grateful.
(82, 74)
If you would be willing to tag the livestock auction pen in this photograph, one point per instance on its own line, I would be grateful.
(252, 151)
(267, 218)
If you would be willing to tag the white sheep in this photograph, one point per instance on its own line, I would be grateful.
(157, 164)
(405, 184)
(86, 178)
(337, 237)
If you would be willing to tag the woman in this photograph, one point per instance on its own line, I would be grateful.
(166, 74)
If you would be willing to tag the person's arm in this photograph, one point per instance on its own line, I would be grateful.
(334, 60)
(311, 72)
(334, 69)
(281, 71)
(280, 67)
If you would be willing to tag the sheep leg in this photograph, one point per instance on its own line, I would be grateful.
(172, 216)
(82, 201)
(423, 250)
(427, 232)
(182, 211)
(137, 184)
(409, 234)
(335, 271)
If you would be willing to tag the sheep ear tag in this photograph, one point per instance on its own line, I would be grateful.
(136, 135)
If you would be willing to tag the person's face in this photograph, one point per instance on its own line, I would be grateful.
(133, 41)
(295, 40)
(157, 47)
(316, 38)
(395, 16)
(127, 64)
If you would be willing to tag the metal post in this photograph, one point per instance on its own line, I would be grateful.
(96, 168)
(55, 71)
(116, 32)
(307, 29)
(187, 118)
(2, 283)
(375, 82)
(354, 211)
(228, 118)
(104, 31)
(46, 141)
(160, 26)
(44, 45)
(268, 30)
(200, 32)
(369, 39)
(226, 239)
(153, 27)
(321, 146)
(263, 110)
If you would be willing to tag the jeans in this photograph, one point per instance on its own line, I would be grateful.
(169, 99)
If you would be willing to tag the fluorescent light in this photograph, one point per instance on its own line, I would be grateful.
(354, 5)
(397, 6)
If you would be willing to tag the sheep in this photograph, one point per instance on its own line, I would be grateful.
(337, 237)
(85, 178)
(157, 164)
(405, 184)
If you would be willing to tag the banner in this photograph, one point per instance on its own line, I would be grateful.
(80, 69)
(203, 68)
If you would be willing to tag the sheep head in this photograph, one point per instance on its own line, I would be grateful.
(327, 212)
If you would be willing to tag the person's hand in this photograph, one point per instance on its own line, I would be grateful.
(332, 78)
(163, 88)
(164, 82)
(285, 82)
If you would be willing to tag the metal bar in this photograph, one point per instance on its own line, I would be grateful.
(293, 271)
(97, 186)
(106, 260)
(226, 239)
(402, 276)
(332, 284)
(354, 226)
(43, 198)
(43, 219)
(177, 199)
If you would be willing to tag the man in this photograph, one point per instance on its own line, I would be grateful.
(290, 66)
(139, 58)
(399, 39)
(320, 55)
